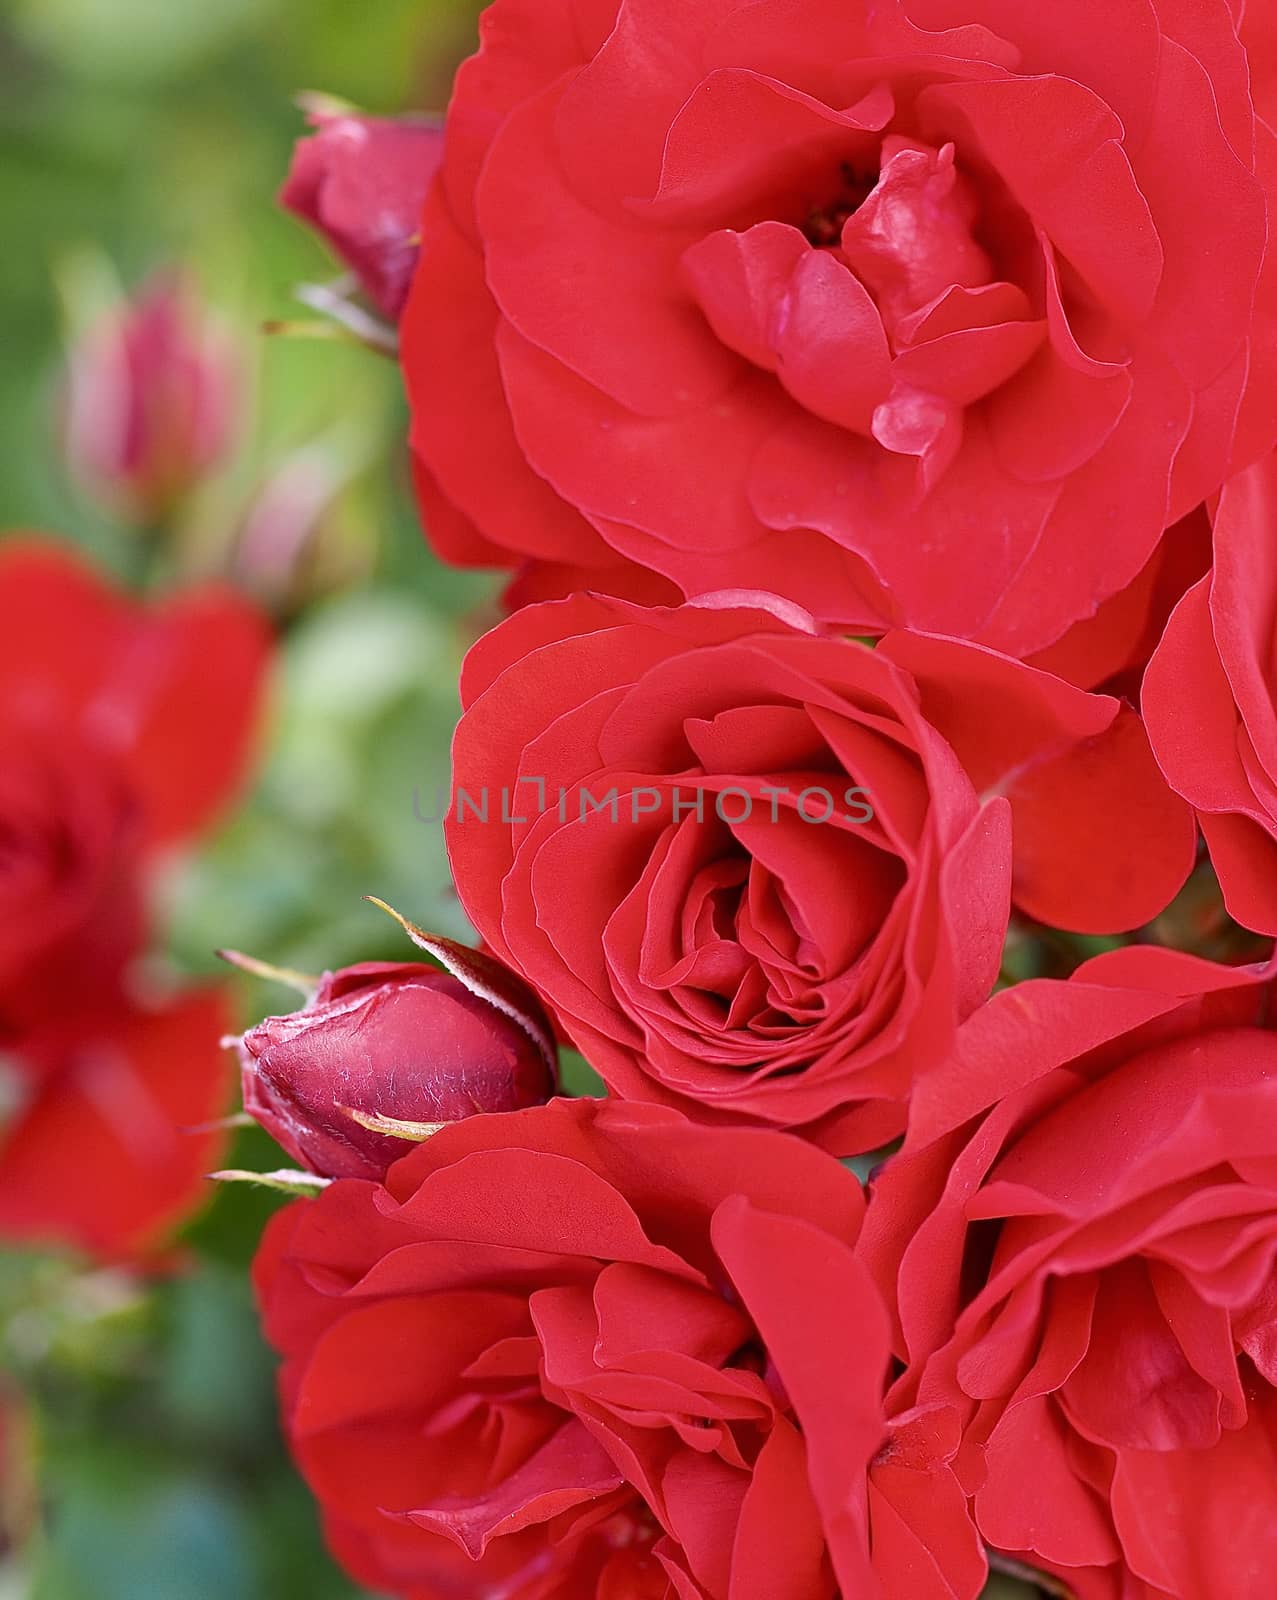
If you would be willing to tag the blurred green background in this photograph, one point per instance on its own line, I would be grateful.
(136, 134)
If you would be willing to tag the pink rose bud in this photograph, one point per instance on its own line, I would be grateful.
(386, 1043)
(361, 182)
(298, 540)
(153, 391)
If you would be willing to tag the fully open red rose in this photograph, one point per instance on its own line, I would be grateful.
(123, 730)
(1208, 697)
(594, 1352)
(761, 873)
(1081, 1240)
(918, 313)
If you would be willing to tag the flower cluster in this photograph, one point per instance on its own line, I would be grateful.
(874, 400)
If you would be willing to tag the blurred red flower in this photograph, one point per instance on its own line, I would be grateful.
(126, 729)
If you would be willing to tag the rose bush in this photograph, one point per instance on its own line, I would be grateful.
(799, 884)
(118, 742)
(594, 1350)
(1080, 1241)
(1208, 698)
(919, 313)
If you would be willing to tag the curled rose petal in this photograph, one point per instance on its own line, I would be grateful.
(1208, 698)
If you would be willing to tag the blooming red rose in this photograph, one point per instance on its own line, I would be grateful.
(1080, 1237)
(361, 182)
(124, 729)
(1208, 698)
(154, 392)
(395, 1040)
(593, 1350)
(917, 313)
(761, 873)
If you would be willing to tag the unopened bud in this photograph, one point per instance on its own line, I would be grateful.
(153, 390)
(388, 1045)
(361, 182)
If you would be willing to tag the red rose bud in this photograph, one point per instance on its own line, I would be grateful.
(153, 389)
(394, 1043)
(361, 182)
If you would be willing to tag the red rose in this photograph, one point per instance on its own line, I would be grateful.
(594, 1350)
(110, 1139)
(795, 947)
(400, 1041)
(70, 881)
(153, 398)
(360, 182)
(123, 731)
(119, 741)
(917, 313)
(1208, 698)
(1080, 1237)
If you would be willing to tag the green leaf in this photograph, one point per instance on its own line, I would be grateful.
(864, 1166)
(1004, 1588)
(122, 1529)
(578, 1078)
(216, 1379)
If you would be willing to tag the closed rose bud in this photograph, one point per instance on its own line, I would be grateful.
(154, 386)
(361, 182)
(397, 1042)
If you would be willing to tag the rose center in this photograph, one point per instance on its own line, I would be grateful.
(823, 226)
(909, 233)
